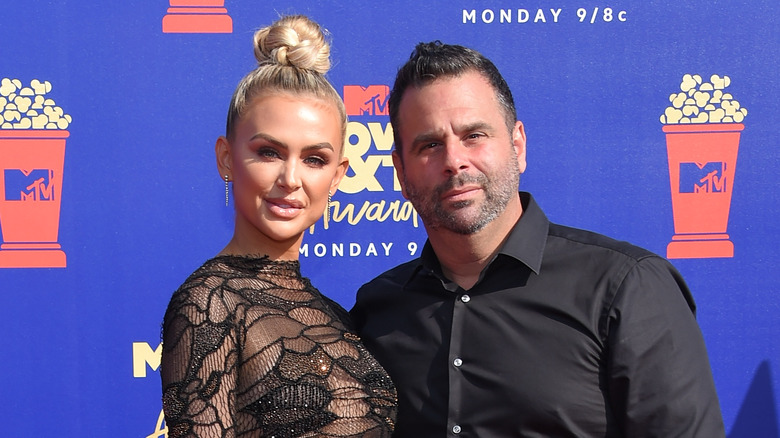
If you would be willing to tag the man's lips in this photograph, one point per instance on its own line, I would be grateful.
(460, 193)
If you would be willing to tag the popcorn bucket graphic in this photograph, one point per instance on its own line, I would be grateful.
(702, 160)
(31, 166)
(197, 16)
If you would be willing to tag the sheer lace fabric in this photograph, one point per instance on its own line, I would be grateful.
(251, 349)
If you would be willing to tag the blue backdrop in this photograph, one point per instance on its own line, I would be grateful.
(142, 205)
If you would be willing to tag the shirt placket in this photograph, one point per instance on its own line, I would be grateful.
(456, 364)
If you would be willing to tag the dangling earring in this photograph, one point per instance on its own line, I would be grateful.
(227, 191)
(327, 209)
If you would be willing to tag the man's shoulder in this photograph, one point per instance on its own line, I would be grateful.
(397, 275)
(589, 240)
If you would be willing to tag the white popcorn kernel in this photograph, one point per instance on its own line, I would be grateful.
(690, 101)
(688, 82)
(730, 106)
(62, 124)
(728, 119)
(727, 96)
(689, 110)
(662, 119)
(7, 125)
(40, 121)
(709, 107)
(51, 126)
(717, 115)
(717, 95)
(24, 123)
(1, 119)
(68, 118)
(11, 115)
(706, 87)
(23, 103)
(38, 102)
(3, 101)
(673, 115)
(38, 87)
(26, 91)
(17, 83)
(743, 111)
(679, 100)
(738, 117)
(701, 98)
(685, 121)
(7, 87)
(702, 117)
(31, 113)
(11, 106)
(697, 78)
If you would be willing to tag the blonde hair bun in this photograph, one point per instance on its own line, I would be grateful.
(294, 41)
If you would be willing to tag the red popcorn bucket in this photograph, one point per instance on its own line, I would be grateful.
(31, 167)
(702, 160)
(197, 16)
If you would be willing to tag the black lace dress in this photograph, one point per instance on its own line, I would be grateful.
(252, 349)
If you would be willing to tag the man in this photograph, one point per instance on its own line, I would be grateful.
(508, 325)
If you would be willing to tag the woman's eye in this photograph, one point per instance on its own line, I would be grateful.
(315, 160)
(267, 153)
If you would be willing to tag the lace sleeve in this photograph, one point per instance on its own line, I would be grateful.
(198, 367)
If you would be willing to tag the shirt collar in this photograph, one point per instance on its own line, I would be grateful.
(525, 243)
(527, 239)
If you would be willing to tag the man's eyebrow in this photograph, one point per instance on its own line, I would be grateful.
(432, 135)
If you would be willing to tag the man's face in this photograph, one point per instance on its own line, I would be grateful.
(461, 163)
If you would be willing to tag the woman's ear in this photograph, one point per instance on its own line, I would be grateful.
(341, 170)
(224, 159)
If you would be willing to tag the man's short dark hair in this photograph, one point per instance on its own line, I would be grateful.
(435, 60)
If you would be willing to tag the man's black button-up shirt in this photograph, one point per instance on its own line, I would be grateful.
(567, 333)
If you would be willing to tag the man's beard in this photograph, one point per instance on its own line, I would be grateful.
(499, 186)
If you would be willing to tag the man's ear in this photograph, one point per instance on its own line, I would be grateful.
(224, 157)
(518, 140)
(398, 163)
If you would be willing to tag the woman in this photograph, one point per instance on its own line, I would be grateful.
(250, 348)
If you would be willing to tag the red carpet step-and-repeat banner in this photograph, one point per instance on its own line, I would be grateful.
(652, 122)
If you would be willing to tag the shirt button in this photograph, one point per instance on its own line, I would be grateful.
(457, 362)
(456, 429)
(465, 298)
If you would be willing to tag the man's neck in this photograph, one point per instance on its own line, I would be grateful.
(463, 256)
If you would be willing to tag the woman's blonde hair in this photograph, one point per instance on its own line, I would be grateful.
(293, 57)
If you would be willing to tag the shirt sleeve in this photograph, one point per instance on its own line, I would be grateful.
(659, 378)
(198, 366)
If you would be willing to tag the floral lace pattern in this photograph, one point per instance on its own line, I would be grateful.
(252, 349)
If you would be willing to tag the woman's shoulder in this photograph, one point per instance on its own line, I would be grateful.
(202, 287)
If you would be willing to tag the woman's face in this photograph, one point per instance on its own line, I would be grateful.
(283, 159)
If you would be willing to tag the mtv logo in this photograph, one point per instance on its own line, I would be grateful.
(366, 101)
(702, 177)
(34, 185)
